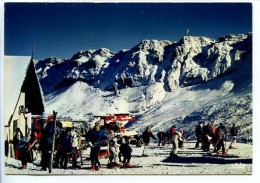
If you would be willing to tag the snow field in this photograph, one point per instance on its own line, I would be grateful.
(191, 162)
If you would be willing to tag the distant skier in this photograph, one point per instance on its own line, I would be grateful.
(147, 134)
(161, 137)
(94, 138)
(126, 151)
(198, 133)
(220, 137)
(177, 136)
(113, 149)
(233, 132)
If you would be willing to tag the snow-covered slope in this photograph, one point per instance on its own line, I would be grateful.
(191, 162)
(161, 82)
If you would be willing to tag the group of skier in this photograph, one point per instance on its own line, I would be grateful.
(48, 136)
(209, 134)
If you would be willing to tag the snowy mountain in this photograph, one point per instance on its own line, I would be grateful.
(161, 82)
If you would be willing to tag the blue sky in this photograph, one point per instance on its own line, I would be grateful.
(62, 29)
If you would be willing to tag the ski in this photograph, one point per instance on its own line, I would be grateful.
(53, 142)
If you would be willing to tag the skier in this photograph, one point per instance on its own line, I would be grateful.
(147, 134)
(113, 149)
(138, 138)
(24, 153)
(16, 142)
(177, 136)
(94, 138)
(46, 140)
(234, 133)
(125, 150)
(75, 143)
(171, 132)
(35, 143)
(65, 140)
(220, 137)
(198, 133)
(161, 137)
(207, 135)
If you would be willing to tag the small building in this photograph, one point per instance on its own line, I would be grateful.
(23, 97)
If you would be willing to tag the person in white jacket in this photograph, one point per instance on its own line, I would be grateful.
(113, 149)
(75, 145)
(177, 136)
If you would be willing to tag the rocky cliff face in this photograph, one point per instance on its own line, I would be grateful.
(190, 61)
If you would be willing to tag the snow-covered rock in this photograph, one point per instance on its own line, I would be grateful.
(161, 82)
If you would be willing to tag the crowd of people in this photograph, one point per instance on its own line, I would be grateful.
(67, 143)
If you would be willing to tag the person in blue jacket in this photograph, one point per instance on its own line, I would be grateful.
(65, 142)
(94, 138)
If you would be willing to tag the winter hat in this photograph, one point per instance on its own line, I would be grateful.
(181, 131)
(44, 115)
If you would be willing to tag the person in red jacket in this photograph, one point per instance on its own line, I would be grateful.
(172, 131)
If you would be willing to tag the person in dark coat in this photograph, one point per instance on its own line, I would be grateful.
(24, 153)
(94, 138)
(65, 141)
(46, 140)
(207, 135)
(161, 137)
(147, 134)
(220, 137)
(233, 132)
(198, 133)
(126, 151)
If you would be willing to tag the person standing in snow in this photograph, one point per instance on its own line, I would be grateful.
(207, 135)
(171, 132)
(161, 137)
(198, 133)
(75, 138)
(16, 142)
(147, 134)
(24, 153)
(113, 149)
(233, 132)
(65, 140)
(126, 151)
(220, 137)
(94, 138)
(46, 140)
(177, 136)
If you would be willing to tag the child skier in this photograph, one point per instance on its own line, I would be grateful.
(125, 151)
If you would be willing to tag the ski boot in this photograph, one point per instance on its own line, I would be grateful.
(93, 167)
(116, 164)
(224, 153)
(231, 147)
(128, 165)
